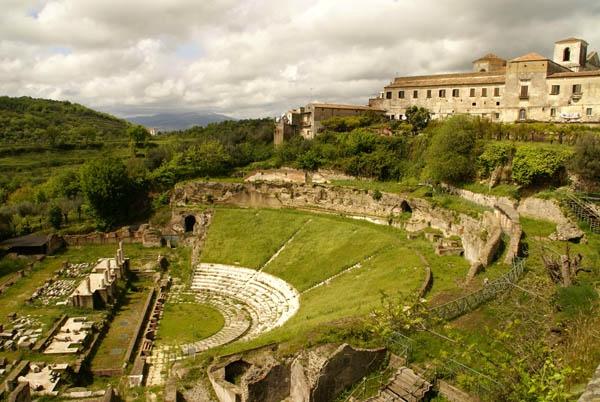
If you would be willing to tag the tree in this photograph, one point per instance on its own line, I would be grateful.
(108, 190)
(310, 161)
(451, 155)
(418, 118)
(586, 160)
(138, 136)
(55, 216)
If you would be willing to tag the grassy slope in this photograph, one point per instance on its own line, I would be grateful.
(25, 120)
(533, 311)
(248, 237)
(324, 247)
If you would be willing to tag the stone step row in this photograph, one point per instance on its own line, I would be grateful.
(266, 306)
(269, 301)
(236, 324)
(249, 289)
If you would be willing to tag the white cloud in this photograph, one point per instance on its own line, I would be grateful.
(260, 57)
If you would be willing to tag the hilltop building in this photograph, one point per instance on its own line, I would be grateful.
(565, 88)
(306, 121)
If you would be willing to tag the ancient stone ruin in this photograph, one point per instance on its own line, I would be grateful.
(316, 375)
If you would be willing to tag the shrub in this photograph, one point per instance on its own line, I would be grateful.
(586, 159)
(377, 195)
(535, 165)
(495, 154)
(310, 160)
(108, 190)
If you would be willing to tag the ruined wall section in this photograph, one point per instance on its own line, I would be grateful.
(479, 237)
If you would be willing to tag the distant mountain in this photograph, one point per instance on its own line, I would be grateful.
(178, 121)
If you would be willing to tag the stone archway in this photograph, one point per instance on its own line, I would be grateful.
(405, 207)
(188, 223)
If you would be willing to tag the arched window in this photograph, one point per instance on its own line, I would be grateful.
(567, 54)
(522, 114)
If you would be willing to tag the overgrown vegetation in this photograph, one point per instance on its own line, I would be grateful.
(43, 188)
(27, 121)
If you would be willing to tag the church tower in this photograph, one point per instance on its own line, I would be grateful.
(571, 53)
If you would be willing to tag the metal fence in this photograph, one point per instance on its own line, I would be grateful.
(582, 208)
(470, 302)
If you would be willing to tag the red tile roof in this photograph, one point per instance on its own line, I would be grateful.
(533, 56)
(479, 78)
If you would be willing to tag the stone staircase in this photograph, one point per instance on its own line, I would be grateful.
(405, 386)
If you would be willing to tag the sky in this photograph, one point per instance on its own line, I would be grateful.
(256, 58)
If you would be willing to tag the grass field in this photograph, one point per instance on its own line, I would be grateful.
(323, 246)
(248, 237)
(188, 322)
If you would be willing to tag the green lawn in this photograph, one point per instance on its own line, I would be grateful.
(249, 237)
(188, 322)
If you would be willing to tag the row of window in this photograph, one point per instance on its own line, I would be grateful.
(484, 92)
(442, 93)
(588, 111)
(556, 89)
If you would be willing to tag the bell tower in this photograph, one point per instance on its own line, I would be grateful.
(571, 53)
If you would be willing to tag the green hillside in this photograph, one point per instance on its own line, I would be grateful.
(28, 121)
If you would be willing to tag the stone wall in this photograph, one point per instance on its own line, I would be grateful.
(146, 235)
(271, 384)
(322, 374)
(538, 208)
(474, 233)
(315, 375)
(344, 368)
(592, 391)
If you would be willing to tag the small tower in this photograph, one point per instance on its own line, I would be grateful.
(489, 63)
(571, 53)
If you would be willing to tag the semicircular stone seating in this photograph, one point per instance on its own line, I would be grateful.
(252, 302)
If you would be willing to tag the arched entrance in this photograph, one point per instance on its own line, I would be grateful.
(405, 207)
(189, 223)
(522, 114)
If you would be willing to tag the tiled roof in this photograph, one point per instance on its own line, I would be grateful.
(479, 78)
(489, 56)
(341, 106)
(592, 73)
(533, 56)
(570, 40)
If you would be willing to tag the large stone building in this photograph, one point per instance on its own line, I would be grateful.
(565, 88)
(306, 121)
